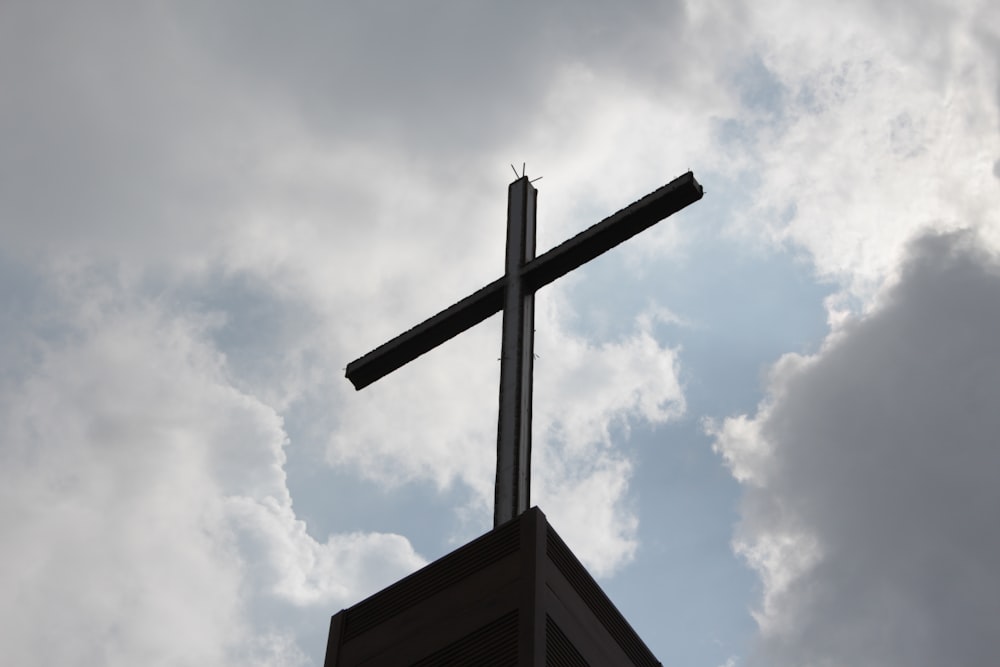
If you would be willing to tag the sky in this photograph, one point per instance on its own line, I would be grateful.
(767, 425)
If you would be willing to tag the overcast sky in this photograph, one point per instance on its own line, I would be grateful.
(767, 425)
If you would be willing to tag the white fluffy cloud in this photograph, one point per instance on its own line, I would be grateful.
(136, 483)
(867, 124)
(870, 497)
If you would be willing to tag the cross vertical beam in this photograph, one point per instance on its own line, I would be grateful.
(513, 479)
(513, 293)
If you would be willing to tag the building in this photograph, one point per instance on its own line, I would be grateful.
(517, 596)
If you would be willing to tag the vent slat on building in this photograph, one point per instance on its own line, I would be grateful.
(493, 645)
(559, 650)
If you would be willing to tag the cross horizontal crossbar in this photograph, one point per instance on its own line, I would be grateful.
(470, 311)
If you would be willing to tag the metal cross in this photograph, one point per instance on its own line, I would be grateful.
(513, 293)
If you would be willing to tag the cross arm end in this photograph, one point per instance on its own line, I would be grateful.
(424, 337)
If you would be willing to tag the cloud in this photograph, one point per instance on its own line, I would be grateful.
(467, 76)
(588, 396)
(122, 141)
(869, 506)
(881, 124)
(175, 134)
(144, 497)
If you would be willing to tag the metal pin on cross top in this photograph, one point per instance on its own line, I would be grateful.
(513, 293)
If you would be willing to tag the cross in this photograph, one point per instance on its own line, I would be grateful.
(513, 293)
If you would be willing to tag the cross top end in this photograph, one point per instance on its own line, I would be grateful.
(524, 173)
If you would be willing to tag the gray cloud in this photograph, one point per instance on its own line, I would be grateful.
(870, 492)
(443, 77)
(151, 123)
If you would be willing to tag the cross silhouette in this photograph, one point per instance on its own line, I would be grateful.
(514, 293)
